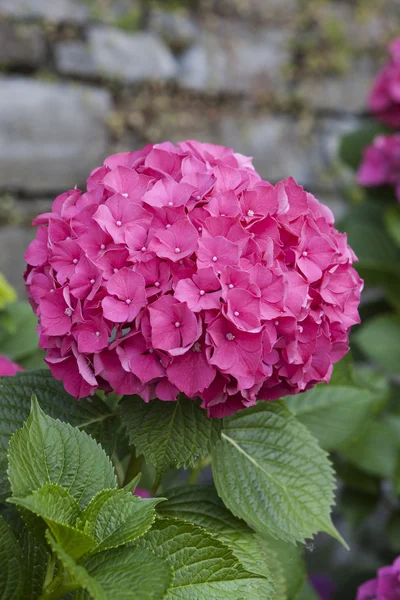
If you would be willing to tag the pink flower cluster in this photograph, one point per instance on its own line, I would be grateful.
(180, 270)
(8, 368)
(385, 587)
(384, 99)
(381, 163)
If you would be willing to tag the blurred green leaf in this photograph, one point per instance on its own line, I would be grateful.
(353, 144)
(379, 340)
(376, 450)
(392, 220)
(23, 340)
(7, 292)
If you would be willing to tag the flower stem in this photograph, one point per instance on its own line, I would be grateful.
(134, 468)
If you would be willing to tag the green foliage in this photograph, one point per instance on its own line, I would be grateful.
(18, 337)
(35, 560)
(379, 339)
(93, 415)
(270, 471)
(12, 566)
(202, 566)
(7, 293)
(48, 451)
(200, 505)
(353, 144)
(334, 414)
(116, 517)
(169, 434)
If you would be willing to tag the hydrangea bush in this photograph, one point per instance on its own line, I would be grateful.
(179, 270)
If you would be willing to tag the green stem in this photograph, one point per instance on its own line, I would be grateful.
(133, 469)
(156, 484)
(201, 464)
(50, 570)
(56, 592)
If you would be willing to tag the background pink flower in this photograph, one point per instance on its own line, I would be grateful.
(179, 270)
(381, 163)
(8, 368)
(386, 586)
(384, 99)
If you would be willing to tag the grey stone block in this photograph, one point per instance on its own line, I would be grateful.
(177, 28)
(21, 45)
(51, 135)
(73, 58)
(237, 60)
(130, 57)
(49, 10)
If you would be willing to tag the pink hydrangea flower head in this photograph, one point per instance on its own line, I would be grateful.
(180, 271)
(381, 163)
(384, 99)
(8, 368)
(386, 586)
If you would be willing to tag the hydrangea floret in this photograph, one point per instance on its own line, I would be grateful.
(384, 99)
(179, 270)
(381, 163)
(8, 368)
(386, 586)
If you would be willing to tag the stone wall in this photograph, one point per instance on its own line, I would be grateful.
(280, 80)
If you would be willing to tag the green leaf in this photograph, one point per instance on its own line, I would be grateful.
(307, 593)
(92, 414)
(60, 511)
(392, 220)
(128, 573)
(34, 559)
(343, 372)
(169, 434)
(115, 517)
(376, 450)
(200, 505)
(290, 558)
(24, 340)
(379, 339)
(334, 414)
(270, 471)
(12, 567)
(7, 292)
(202, 566)
(48, 451)
(353, 144)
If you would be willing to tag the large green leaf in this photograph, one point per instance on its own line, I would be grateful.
(115, 517)
(34, 558)
(334, 414)
(200, 505)
(169, 434)
(49, 451)
(24, 340)
(93, 415)
(121, 573)
(379, 339)
(60, 511)
(270, 471)
(377, 449)
(7, 293)
(202, 566)
(291, 561)
(12, 567)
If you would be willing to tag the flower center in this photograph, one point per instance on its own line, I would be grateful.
(92, 281)
(168, 225)
(197, 347)
(75, 261)
(230, 337)
(157, 284)
(128, 301)
(202, 292)
(276, 323)
(170, 203)
(68, 312)
(97, 333)
(144, 248)
(250, 213)
(305, 253)
(115, 270)
(125, 195)
(177, 250)
(215, 258)
(118, 223)
(177, 324)
(230, 286)
(102, 247)
(236, 313)
(301, 328)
